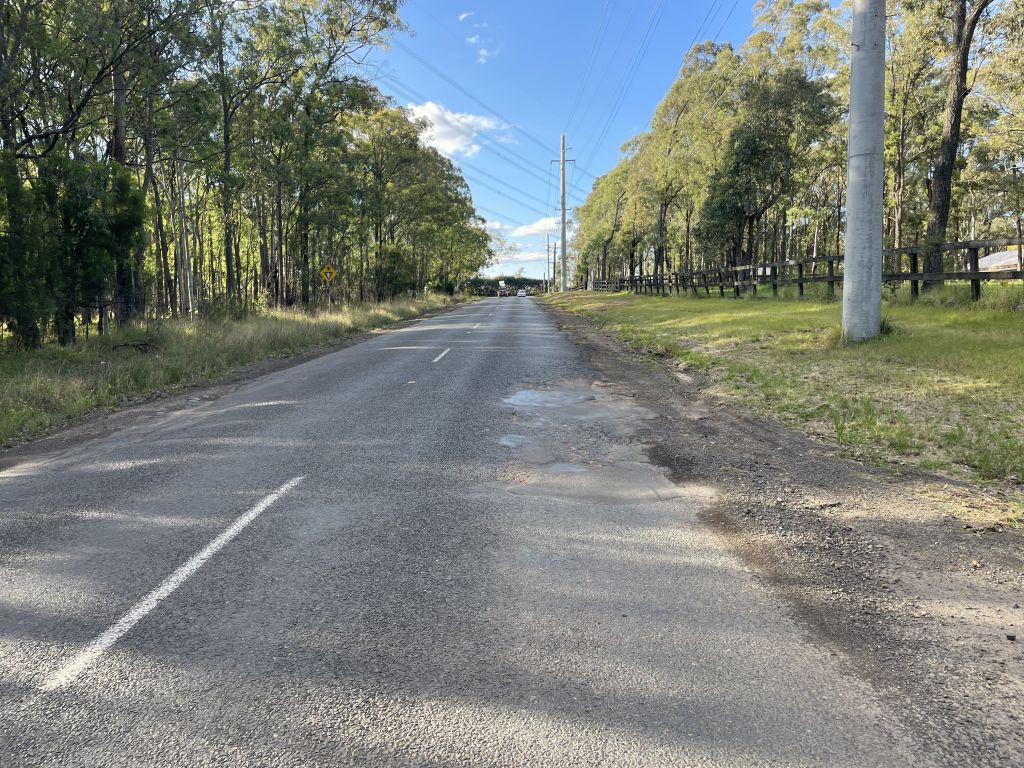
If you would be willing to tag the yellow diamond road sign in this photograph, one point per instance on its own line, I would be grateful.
(328, 273)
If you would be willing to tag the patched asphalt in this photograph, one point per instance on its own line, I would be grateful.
(480, 567)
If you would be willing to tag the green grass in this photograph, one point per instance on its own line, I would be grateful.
(942, 389)
(43, 388)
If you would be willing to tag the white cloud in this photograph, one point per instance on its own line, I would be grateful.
(473, 40)
(532, 264)
(465, 15)
(539, 227)
(453, 133)
(523, 256)
(484, 55)
(495, 226)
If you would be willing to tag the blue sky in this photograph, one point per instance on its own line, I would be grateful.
(501, 80)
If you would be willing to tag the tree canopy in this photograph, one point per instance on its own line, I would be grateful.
(744, 160)
(176, 157)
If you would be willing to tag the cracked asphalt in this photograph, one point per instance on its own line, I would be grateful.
(479, 567)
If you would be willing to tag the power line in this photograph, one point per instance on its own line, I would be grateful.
(503, 192)
(410, 93)
(482, 103)
(605, 16)
(467, 166)
(631, 71)
(461, 89)
(617, 47)
(718, 77)
(522, 163)
(515, 189)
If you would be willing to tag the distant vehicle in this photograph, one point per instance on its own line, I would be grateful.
(502, 292)
(520, 292)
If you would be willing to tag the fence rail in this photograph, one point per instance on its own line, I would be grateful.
(776, 274)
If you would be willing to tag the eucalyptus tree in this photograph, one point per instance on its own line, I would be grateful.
(784, 115)
(671, 157)
(60, 63)
(599, 221)
(211, 152)
(964, 18)
(913, 97)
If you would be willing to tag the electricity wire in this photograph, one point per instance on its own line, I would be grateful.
(591, 58)
(631, 72)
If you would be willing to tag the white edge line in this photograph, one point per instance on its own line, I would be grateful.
(476, 326)
(70, 671)
(441, 355)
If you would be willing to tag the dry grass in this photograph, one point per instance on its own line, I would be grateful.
(52, 386)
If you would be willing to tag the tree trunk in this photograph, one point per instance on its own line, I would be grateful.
(964, 25)
(125, 300)
(303, 225)
(64, 325)
(227, 209)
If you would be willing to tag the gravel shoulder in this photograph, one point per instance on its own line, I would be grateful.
(889, 572)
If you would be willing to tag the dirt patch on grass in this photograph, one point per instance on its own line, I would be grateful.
(913, 579)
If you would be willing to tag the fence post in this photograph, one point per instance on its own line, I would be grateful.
(972, 255)
(800, 279)
(831, 279)
(914, 285)
(775, 280)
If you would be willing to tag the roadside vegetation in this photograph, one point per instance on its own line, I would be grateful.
(940, 391)
(54, 385)
(743, 162)
(177, 158)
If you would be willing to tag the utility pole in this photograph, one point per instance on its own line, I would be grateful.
(547, 263)
(554, 267)
(862, 268)
(565, 284)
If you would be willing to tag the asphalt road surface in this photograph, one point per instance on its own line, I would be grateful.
(444, 546)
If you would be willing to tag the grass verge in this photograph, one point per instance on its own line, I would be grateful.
(43, 388)
(942, 389)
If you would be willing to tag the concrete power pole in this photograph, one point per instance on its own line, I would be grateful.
(565, 283)
(862, 269)
(549, 264)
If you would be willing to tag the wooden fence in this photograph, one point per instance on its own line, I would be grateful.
(899, 265)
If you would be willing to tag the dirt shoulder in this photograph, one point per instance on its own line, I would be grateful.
(884, 570)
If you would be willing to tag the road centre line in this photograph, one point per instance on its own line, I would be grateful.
(92, 652)
(436, 359)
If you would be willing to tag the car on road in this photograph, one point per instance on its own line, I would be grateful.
(520, 292)
(502, 292)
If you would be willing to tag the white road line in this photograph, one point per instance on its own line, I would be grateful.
(441, 355)
(85, 659)
(476, 326)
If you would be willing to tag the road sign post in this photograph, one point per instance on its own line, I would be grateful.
(328, 273)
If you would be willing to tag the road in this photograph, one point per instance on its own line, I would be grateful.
(444, 546)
